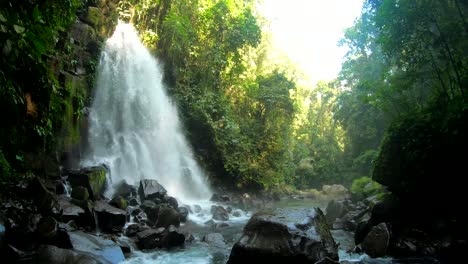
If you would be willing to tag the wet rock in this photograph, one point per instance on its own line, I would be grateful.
(59, 188)
(221, 225)
(229, 209)
(105, 249)
(285, 235)
(387, 210)
(45, 201)
(141, 217)
(133, 229)
(210, 223)
(151, 210)
(376, 242)
(47, 227)
(167, 216)
(335, 209)
(197, 209)
(183, 212)
(119, 202)
(110, 219)
(151, 189)
(362, 229)
(327, 261)
(51, 254)
(215, 239)
(133, 201)
(220, 198)
(80, 193)
(2, 232)
(149, 238)
(92, 178)
(219, 213)
(171, 238)
(237, 213)
(125, 190)
(72, 212)
(171, 201)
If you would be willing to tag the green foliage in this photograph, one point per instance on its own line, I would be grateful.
(29, 93)
(364, 187)
(5, 169)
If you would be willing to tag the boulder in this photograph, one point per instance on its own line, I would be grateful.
(123, 189)
(171, 238)
(110, 219)
(133, 201)
(149, 238)
(92, 178)
(45, 201)
(80, 193)
(335, 209)
(105, 249)
(335, 191)
(72, 212)
(167, 216)
(171, 201)
(197, 208)
(47, 227)
(215, 239)
(183, 212)
(376, 242)
(151, 189)
(119, 202)
(51, 254)
(219, 213)
(151, 210)
(220, 198)
(287, 235)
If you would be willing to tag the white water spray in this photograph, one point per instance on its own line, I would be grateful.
(134, 126)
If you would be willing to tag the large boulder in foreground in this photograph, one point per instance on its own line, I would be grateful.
(105, 250)
(285, 235)
(110, 219)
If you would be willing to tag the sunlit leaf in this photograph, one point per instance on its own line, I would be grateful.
(18, 29)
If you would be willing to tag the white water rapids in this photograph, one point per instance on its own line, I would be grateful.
(134, 126)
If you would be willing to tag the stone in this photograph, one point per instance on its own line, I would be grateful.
(151, 189)
(80, 193)
(216, 239)
(125, 190)
(335, 209)
(47, 254)
(92, 178)
(149, 238)
(167, 216)
(45, 201)
(47, 227)
(171, 201)
(237, 213)
(105, 249)
(219, 213)
(110, 219)
(285, 235)
(197, 208)
(119, 202)
(171, 238)
(72, 212)
(183, 212)
(376, 242)
(133, 201)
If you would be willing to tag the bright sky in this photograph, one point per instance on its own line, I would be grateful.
(308, 32)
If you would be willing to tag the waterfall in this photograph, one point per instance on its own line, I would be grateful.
(134, 127)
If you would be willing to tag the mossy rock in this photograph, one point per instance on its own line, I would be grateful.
(92, 178)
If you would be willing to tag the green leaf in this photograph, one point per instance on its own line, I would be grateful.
(37, 14)
(2, 18)
(19, 157)
(18, 29)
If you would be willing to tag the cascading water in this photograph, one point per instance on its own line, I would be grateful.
(134, 127)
